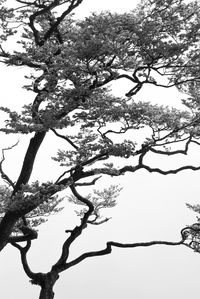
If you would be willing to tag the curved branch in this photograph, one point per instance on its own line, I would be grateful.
(85, 201)
(111, 244)
(74, 233)
(3, 174)
(35, 15)
(170, 153)
(28, 234)
(88, 183)
(23, 253)
(72, 6)
(171, 171)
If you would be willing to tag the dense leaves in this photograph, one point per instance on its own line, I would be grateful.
(70, 66)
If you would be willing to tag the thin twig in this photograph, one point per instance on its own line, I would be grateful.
(4, 176)
(65, 138)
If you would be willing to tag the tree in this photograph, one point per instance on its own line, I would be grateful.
(70, 67)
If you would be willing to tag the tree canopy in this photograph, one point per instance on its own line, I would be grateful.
(70, 66)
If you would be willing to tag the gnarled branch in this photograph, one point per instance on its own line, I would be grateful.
(111, 244)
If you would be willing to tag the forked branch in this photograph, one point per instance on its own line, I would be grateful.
(4, 176)
(23, 252)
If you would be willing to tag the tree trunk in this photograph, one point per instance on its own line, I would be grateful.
(29, 160)
(46, 292)
(46, 282)
(10, 218)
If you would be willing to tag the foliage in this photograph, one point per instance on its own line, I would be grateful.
(100, 200)
(70, 66)
(45, 205)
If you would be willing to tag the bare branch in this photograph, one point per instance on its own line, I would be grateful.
(65, 138)
(23, 253)
(28, 234)
(111, 244)
(171, 171)
(93, 222)
(88, 183)
(170, 153)
(129, 168)
(194, 141)
(61, 176)
(4, 176)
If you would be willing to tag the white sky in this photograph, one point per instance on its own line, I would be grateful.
(150, 207)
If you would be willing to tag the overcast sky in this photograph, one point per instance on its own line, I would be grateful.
(150, 207)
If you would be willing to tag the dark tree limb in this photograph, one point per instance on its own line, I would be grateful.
(74, 233)
(29, 160)
(88, 183)
(111, 244)
(23, 253)
(35, 15)
(72, 6)
(36, 278)
(46, 9)
(28, 234)
(171, 153)
(10, 217)
(65, 138)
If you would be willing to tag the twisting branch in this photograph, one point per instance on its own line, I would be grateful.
(111, 244)
(4, 176)
(170, 153)
(171, 171)
(35, 15)
(94, 222)
(54, 26)
(28, 234)
(74, 233)
(130, 168)
(72, 6)
(23, 253)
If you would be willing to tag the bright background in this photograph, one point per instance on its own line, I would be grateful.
(150, 207)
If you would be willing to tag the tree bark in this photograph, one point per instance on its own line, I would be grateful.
(46, 292)
(6, 228)
(29, 160)
(10, 218)
(46, 282)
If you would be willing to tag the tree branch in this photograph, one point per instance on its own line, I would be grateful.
(88, 183)
(29, 159)
(75, 233)
(28, 234)
(111, 244)
(170, 153)
(35, 15)
(65, 138)
(23, 253)
(72, 6)
(3, 174)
